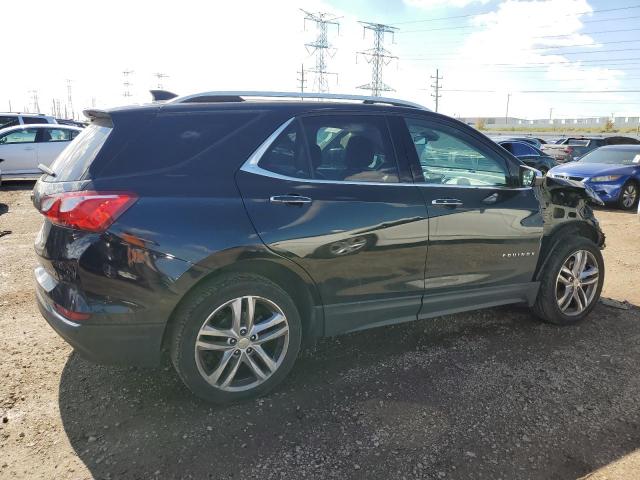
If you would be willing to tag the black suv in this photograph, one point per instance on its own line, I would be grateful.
(226, 231)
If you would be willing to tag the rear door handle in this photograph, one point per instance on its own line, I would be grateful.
(290, 199)
(447, 202)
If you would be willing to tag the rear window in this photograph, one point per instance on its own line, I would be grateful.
(8, 121)
(172, 141)
(33, 120)
(76, 158)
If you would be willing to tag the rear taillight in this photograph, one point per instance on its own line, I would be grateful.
(87, 210)
(70, 314)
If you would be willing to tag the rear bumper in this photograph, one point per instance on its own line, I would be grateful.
(104, 343)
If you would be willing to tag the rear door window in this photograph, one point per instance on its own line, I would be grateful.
(354, 148)
(287, 155)
(76, 158)
(55, 135)
(8, 121)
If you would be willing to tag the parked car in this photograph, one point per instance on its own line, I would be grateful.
(613, 172)
(23, 148)
(529, 154)
(13, 119)
(226, 230)
(572, 148)
(530, 140)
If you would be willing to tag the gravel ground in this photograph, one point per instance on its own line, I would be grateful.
(492, 394)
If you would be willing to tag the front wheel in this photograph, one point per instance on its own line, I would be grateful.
(628, 195)
(235, 338)
(571, 282)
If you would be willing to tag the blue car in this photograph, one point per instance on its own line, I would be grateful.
(613, 172)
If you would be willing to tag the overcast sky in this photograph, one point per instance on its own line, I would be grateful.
(488, 50)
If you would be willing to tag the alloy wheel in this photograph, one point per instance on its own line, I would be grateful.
(629, 195)
(577, 282)
(242, 343)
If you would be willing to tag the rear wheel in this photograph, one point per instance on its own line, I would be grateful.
(235, 338)
(571, 283)
(628, 195)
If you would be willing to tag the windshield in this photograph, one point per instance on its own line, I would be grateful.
(613, 157)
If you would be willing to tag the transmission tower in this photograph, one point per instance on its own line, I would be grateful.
(126, 83)
(160, 77)
(321, 47)
(378, 56)
(34, 100)
(302, 81)
(436, 88)
(69, 100)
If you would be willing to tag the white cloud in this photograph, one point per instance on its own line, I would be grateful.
(507, 53)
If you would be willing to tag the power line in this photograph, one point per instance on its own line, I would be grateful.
(320, 47)
(544, 91)
(461, 27)
(378, 56)
(615, 61)
(552, 55)
(492, 11)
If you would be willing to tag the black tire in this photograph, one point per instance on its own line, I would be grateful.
(546, 304)
(191, 315)
(628, 184)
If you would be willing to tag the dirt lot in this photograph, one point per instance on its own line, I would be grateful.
(493, 394)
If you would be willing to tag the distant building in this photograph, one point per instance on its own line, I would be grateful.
(501, 122)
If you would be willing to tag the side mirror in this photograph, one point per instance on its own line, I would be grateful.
(530, 177)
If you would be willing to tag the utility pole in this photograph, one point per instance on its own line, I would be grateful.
(10, 105)
(69, 101)
(550, 114)
(321, 46)
(506, 114)
(126, 84)
(378, 56)
(301, 78)
(160, 76)
(436, 88)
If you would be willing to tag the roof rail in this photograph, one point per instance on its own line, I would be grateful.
(239, 96)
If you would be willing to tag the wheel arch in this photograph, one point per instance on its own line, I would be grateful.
(551, 241)
(292, 280)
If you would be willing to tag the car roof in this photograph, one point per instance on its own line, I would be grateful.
(57, 126)
(19, 114)
(621, 147)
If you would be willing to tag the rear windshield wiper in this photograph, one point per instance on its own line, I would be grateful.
(47, 170)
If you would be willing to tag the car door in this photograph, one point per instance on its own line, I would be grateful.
(484, 229)
(18, 152)
(51, 142)
(329, 194)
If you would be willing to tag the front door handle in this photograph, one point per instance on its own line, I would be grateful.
(447, 202)
(290, 199)
(29, 148)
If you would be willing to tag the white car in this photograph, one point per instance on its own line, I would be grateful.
(24, 147)
(14, 119)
